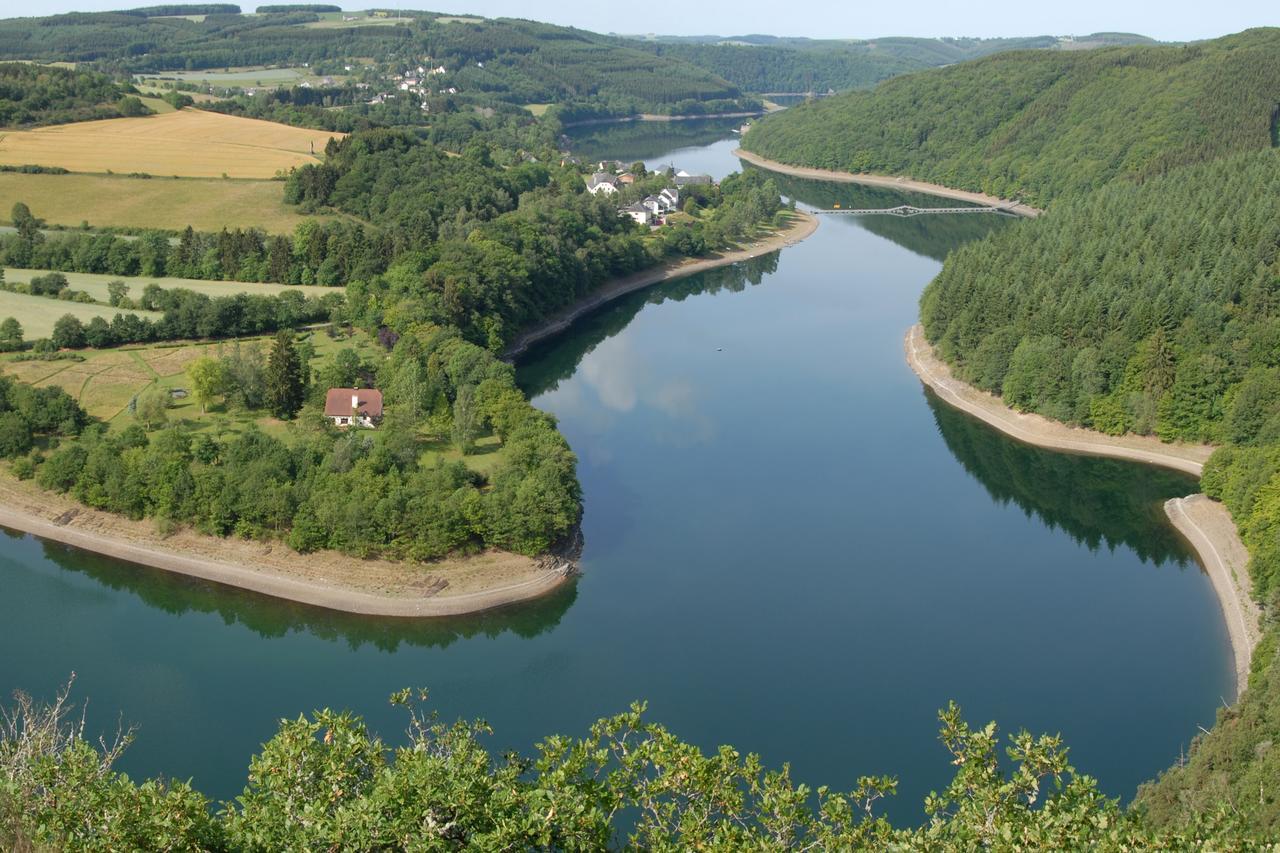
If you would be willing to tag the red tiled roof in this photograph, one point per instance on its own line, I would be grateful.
(337, 403)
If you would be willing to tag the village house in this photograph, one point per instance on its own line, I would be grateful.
(671, 198)
(353, 407)
(639, 212)
(654, 205)
(602, 182)
(683, 179)
(627, 179)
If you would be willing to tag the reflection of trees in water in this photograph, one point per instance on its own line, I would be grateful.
(645, 140)
(271, 617)
(1096, 501)
(544, 365)
(932, 236)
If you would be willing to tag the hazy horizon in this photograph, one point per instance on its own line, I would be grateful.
(1176, 21)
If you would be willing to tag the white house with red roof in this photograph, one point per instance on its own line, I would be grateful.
(353, 407)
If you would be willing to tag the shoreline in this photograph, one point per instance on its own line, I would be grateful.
(1204, 523)
(801, 228)
(1039, 430)
(366, 587)
(897, 183)
(1207, 527)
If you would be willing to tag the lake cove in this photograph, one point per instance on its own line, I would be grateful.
(790, 547)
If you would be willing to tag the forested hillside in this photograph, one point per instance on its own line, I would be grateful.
(36, 95)
(1037, 125)
(1138, 308)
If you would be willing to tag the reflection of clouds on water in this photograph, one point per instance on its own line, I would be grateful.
(613, 371)
(612, 382)
(678, 399)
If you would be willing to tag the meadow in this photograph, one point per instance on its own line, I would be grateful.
(37, 314)
(118, 201)
(185, 143)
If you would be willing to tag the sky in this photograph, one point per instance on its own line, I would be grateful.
(1172, 20)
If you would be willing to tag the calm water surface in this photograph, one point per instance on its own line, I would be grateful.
(790, 546)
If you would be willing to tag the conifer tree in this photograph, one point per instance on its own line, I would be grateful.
(284, 377)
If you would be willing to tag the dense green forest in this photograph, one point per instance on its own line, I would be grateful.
(326, 782)
(1036, 125)
(1137, 308)
(492, 255)
(33, 95)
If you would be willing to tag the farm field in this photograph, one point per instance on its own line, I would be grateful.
(334, 20)
(236, 76)
(96, 284)
(187, 143)
(104, 201)
(37, 314)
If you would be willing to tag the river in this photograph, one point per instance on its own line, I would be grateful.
(790, 547)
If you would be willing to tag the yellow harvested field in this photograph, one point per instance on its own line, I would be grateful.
(188, 143)
(206, 204)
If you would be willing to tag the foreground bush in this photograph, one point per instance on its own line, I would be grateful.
(325, 782)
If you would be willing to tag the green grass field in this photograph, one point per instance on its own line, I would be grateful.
(37, 314)
(206, 204)
(96, 285)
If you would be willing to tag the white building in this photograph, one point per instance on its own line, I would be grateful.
(638, 212)
(602, 182)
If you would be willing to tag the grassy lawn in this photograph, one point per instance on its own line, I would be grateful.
(96, 285)
(206, 204)
(186, 143)
(538, 110)
(37, 314)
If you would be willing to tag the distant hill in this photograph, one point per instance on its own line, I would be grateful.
(763, 63)
(1037, 124)
(515, 61)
